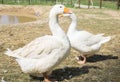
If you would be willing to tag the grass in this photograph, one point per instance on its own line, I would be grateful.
(101, 67)
(106, 4)
(110, 5)
(26, 2)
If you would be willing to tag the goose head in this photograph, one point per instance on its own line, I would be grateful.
(59, 9)
(71, 15)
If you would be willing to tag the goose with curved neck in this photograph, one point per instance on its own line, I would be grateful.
(72, 27)
(54, 26)
(44, 53)
(83, 41)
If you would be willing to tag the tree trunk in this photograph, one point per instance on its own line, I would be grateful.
(79, 3)
(118, 4)
(2, 2)
(100, 3)
(88, 4)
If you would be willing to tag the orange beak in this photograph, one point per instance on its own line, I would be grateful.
(67, 11)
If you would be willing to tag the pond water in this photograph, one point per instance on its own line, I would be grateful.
(9, 19)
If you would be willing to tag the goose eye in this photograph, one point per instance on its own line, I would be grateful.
(60, 6)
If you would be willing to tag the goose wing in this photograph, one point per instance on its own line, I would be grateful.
(99, 38)
(94, 39)
(39, 47)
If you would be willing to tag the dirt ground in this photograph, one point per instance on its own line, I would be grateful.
(104, 66)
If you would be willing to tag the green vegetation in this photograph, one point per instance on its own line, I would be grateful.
(27, 2)
(111, 4)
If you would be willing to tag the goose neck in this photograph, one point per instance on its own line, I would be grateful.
(54, 27)
(72, 26)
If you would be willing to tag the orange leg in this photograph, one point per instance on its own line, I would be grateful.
(47, 78)
(81, 59)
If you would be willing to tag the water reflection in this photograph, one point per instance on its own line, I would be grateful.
(8, 19)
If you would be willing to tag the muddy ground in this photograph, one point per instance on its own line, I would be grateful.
(103, 66)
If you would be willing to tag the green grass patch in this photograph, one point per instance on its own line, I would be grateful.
(106, 4)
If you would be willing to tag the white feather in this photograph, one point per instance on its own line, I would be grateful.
(44, 53)
(84, 41)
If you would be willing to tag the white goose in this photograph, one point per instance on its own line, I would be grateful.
(44, 53)
(83, 41)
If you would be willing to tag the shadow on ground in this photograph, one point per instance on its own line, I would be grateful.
(69, 72)
(98, 57)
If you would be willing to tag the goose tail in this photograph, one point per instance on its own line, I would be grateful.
(106, 39)
(10, 53)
